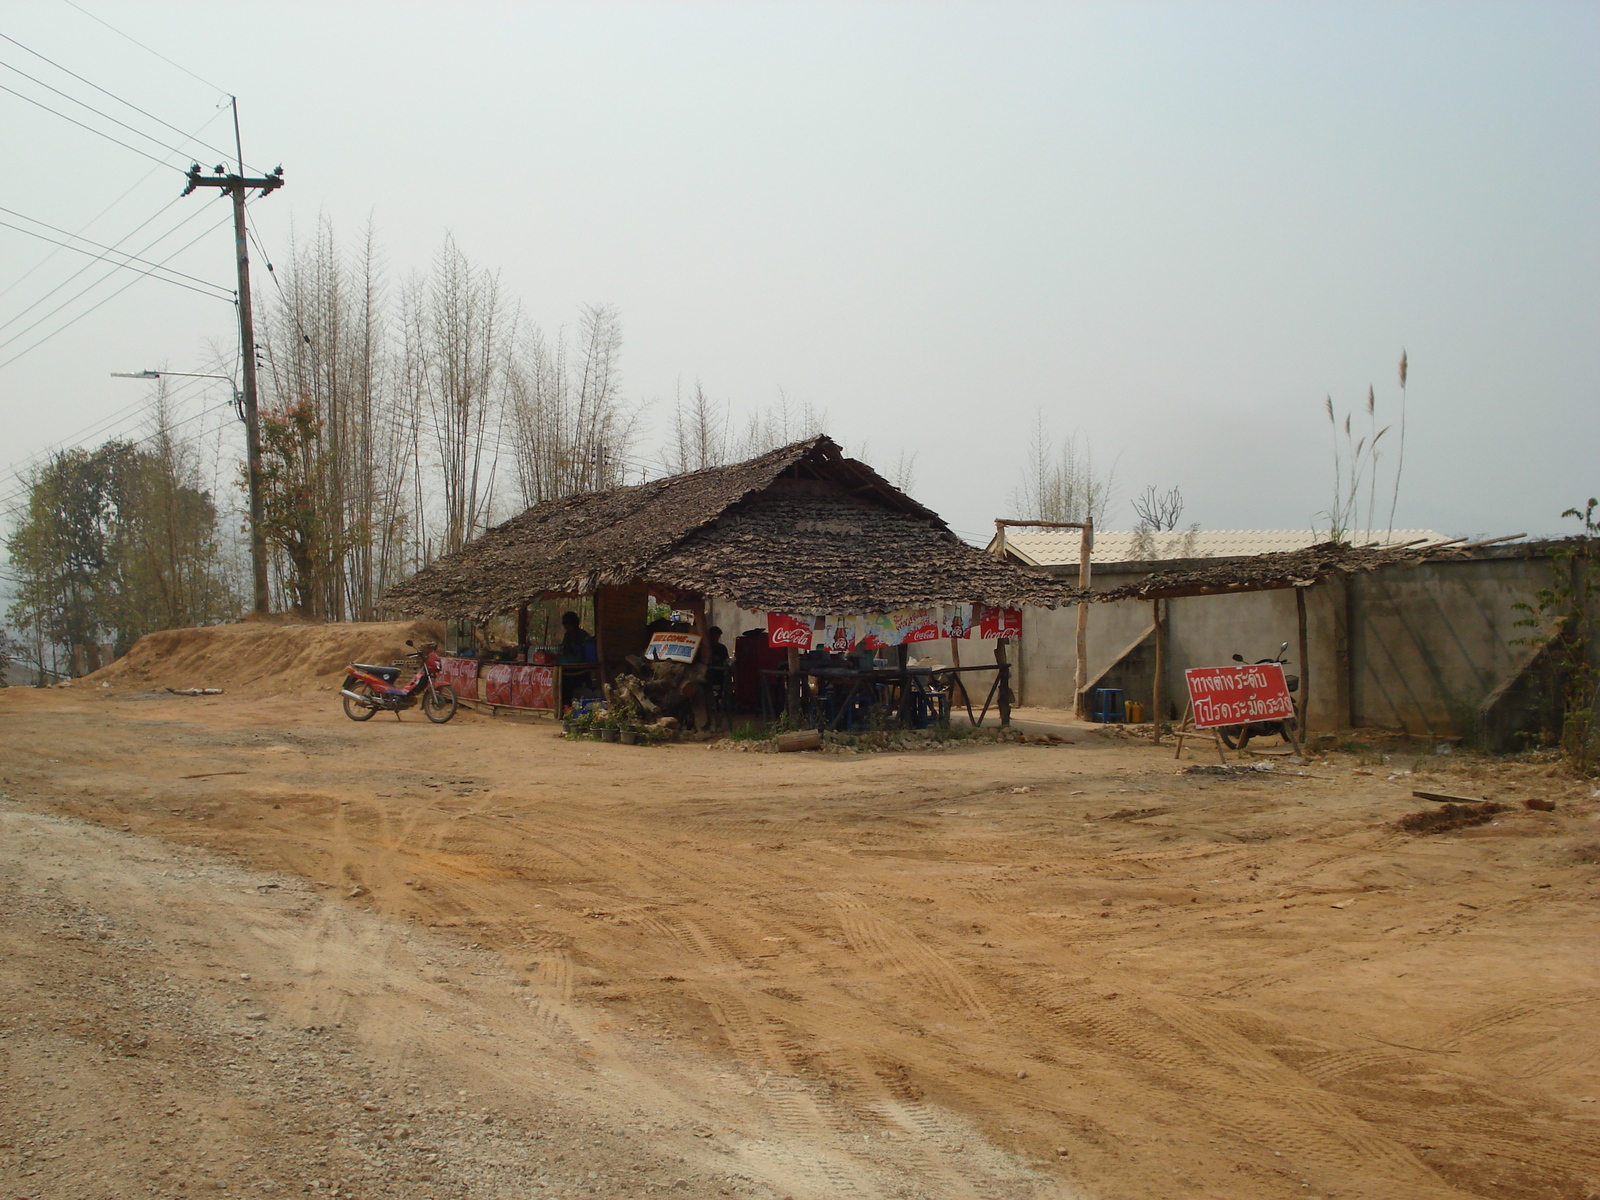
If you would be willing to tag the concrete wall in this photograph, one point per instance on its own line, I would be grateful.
(1416, 648)
(1430, 642)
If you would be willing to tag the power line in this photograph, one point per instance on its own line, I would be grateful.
(101, 303)
(105, 92)
(103, 425)
(182, 443)
(218, 294)
(99, 429)
(102, 429)
(24, 312)
(90, 128)
(131, 189)
(143, 47)
(84, 104)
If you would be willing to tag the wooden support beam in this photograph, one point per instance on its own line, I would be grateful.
(1156, 687)
(1305, 663)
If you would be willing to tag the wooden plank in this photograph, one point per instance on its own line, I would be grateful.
(1447, 798)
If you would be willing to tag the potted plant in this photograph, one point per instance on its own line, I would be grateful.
(625, 719)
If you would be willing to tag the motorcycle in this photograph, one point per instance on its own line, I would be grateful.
(1237, 736)
(369, 689)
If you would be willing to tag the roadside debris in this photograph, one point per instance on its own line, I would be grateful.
(1451, 816)
(192, 691)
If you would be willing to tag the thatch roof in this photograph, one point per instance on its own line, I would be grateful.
(1265, 572)
(800, 529)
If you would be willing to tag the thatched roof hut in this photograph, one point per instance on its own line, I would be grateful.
(800, 529)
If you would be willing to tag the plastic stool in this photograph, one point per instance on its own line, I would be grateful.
(1108, 706)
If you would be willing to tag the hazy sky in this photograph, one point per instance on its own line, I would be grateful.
(1171, 228)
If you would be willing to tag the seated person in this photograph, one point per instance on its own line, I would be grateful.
(574, 639)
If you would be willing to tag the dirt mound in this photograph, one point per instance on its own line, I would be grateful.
(259, 656)
(1451, 816)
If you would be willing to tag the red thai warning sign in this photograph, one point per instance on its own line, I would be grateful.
(1236, 695)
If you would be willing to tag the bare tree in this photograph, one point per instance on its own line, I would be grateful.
(699, 433)
(777, 425)
(1158, 511)
(904, 472)
(456, 330)
(327, 342)
(571, 430)
(1062, 483)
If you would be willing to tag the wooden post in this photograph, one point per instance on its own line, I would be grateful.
(1085, 548)
(955, 680)
(792, 704)
(1183, 729)
(1156, 686)
(1004, 681)
(1305, 665)
(522, 625)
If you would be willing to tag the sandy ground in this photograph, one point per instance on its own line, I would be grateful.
(253, 947)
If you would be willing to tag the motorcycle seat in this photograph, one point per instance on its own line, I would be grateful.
(387, 674)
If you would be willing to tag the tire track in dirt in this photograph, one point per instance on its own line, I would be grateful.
(1473, 1028)
(904, 956)
(758, 1042)
(764, 1036)
(1176, 1047)
(1467, 1128)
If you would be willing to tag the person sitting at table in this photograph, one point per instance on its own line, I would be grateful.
(574, 639)
(716, 665)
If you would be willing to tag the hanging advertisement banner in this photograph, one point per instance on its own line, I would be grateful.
(1236, 695)
(785, 630)
(878, 631)
(956, 621)
(999, 622)
(839, 634)
(917, 625)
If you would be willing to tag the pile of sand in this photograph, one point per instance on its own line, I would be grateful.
(259, 655)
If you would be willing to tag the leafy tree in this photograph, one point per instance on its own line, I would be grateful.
(1564, 626)
(111, 544)
(294, 466)
(59, 549)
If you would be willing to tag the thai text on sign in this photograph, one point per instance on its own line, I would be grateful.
(1236, 695)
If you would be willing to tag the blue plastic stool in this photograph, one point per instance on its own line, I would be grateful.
(1108, 706)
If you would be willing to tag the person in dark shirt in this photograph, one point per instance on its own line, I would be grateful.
(573, 639)
(717, 666)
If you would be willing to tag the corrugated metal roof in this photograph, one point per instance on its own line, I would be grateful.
(1054, 547)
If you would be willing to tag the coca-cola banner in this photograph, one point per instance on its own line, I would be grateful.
(784, 630)
(999, 622)
(916, 625)
(840, 634)
(957, 621)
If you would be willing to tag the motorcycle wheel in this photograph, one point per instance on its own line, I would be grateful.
(1234, 737)
(353, 709)
(439, 705)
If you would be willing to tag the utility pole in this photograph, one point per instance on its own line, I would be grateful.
(236, 186)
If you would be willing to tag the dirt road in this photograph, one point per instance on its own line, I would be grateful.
(250, 943)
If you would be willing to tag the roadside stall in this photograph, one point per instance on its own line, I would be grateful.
(835, 556)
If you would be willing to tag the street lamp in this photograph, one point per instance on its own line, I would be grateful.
(238, 407)
(258, 537)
